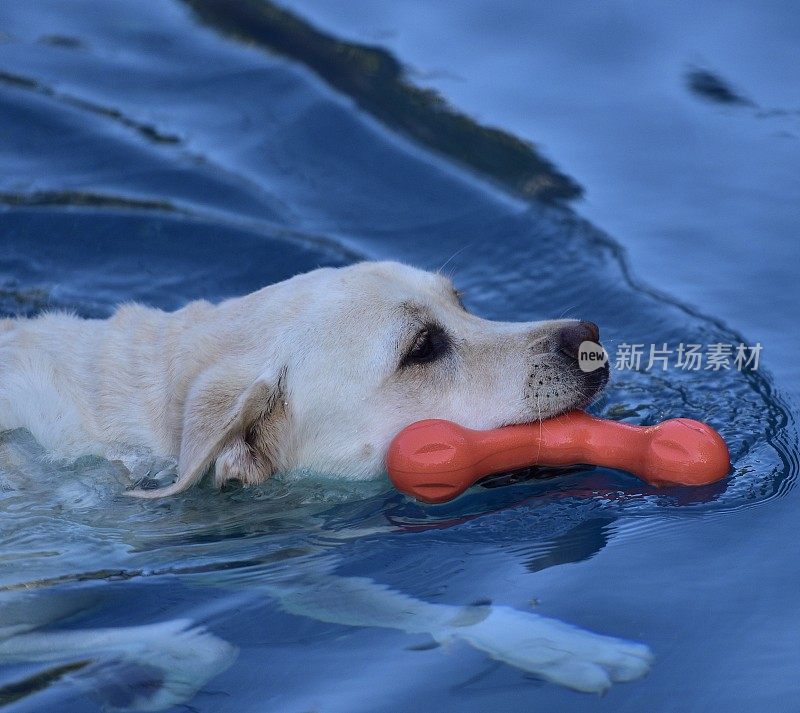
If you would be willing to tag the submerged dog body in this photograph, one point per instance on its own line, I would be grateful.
(316, 373)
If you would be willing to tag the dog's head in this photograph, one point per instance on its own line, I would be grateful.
(381, 345)
(333, 363)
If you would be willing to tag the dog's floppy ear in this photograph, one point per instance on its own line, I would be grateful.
(226, 417)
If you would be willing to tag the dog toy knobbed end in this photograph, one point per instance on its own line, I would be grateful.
(685, 452)
(431, 460)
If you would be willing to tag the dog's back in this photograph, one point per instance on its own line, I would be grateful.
(81, 385)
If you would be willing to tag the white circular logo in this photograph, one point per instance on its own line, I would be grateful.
(591, 356)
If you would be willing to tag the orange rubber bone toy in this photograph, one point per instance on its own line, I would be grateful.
(435, 461)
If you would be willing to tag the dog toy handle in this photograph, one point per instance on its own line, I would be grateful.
(435, 461)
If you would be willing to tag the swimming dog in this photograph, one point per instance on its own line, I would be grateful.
(313, 374)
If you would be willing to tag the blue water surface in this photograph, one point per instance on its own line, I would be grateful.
(702, 189)
(150, 156)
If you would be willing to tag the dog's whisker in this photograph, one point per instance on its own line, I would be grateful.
(453, 256)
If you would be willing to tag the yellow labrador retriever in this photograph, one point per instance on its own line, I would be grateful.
(316, 373)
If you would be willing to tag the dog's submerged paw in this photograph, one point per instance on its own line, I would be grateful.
(147, 667)
(555, 651)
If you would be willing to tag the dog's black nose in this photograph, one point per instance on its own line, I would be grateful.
(572, 335)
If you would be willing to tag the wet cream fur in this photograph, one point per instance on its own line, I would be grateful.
(305, 375)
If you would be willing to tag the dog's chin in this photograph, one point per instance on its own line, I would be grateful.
(588, 388)
(591, 386)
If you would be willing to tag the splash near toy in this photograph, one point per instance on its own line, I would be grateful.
(435, 461)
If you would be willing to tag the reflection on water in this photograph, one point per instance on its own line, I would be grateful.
(152, 158)
(712, 87)
(376, 80)
(704, 196)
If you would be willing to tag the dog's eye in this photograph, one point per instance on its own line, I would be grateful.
(429, 345)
